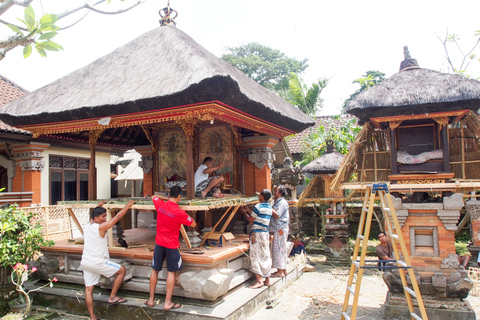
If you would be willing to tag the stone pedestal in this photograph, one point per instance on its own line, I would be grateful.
(396, 308)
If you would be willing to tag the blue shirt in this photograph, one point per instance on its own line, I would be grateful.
(262, 214)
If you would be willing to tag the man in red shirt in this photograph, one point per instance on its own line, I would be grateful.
(169, 220)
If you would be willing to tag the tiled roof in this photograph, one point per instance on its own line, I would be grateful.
(10, 91)
(295, 142)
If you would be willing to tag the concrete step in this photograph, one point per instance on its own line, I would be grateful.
(239, 303)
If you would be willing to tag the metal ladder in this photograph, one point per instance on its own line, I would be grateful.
(395, 237)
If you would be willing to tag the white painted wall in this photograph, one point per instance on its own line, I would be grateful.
(102, 160)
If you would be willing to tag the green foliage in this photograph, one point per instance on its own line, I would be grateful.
(314, 144)
(20, 238)
(461, 248)
(43, 29)
(269, 67)
(370, 79)
(306, 99)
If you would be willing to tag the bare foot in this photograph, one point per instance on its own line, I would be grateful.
(256, 285)
(204, 193)
(267, 282)
(218, 194)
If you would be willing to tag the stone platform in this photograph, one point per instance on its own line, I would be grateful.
(396, 308)
(239, 303)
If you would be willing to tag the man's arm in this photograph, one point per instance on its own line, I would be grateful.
(110, 223)
(275, 214)
(212, 169)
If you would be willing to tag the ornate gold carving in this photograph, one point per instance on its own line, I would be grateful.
(152, 136)
(206, 112)
(189, 129)
(167, 18)
(93, 137)
(421, 181)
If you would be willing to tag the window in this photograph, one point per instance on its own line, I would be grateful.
(424, 241)
(68, 179)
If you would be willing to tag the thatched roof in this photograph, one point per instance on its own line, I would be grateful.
(416, 91)
(327, 163)
(163, 68)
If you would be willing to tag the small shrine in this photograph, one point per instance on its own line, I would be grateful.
(335, 230)
(420, 135)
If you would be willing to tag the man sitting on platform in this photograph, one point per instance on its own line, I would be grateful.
(206, 186)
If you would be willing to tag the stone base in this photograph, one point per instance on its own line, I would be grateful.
(396, 308)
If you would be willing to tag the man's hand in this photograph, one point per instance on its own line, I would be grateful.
(101, 203)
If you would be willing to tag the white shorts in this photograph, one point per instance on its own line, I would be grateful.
(92, 273)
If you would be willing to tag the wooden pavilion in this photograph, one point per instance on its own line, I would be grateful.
(175, 103)
(421, 135)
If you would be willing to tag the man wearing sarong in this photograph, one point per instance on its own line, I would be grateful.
(279, 229)
(206, 186)
(260, 262)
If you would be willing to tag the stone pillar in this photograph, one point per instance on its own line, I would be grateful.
(29, 164)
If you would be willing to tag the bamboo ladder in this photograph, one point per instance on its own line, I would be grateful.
(362, 236)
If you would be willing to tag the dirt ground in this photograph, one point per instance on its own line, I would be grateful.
(320, 295)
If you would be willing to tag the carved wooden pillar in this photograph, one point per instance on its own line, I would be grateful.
(152, 136)
(92, 172)
(237, 157)
(189, 129)
(393, 149)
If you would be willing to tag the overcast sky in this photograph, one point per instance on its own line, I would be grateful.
(341, 39)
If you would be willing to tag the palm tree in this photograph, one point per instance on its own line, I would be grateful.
(306, 99)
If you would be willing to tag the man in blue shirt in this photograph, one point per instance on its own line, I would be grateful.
(260, 261)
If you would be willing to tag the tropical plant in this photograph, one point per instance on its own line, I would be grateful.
(314, 143)
(269, 67)
(306, 99)
(39, 33)
(369, 79)
(20, 237)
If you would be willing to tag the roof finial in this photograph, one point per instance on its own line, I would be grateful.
(408, 63)
(166, 18)
(406, 54)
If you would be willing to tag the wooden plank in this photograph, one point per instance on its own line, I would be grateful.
(213, 229)
(232, 214)
(185, 236)
(72, 214)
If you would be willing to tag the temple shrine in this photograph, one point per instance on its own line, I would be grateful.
(420, 135)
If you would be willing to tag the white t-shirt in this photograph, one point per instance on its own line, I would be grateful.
(199, 175)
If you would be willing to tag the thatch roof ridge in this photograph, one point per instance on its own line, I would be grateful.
(162, 68)
(416, 91)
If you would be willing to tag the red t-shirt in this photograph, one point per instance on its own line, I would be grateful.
(169, 219)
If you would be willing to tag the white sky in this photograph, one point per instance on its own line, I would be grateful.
(341, 39)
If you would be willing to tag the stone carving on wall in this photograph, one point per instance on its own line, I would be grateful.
(261, 157)
(32, 165)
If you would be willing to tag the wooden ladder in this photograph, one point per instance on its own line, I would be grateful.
(363, 234)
